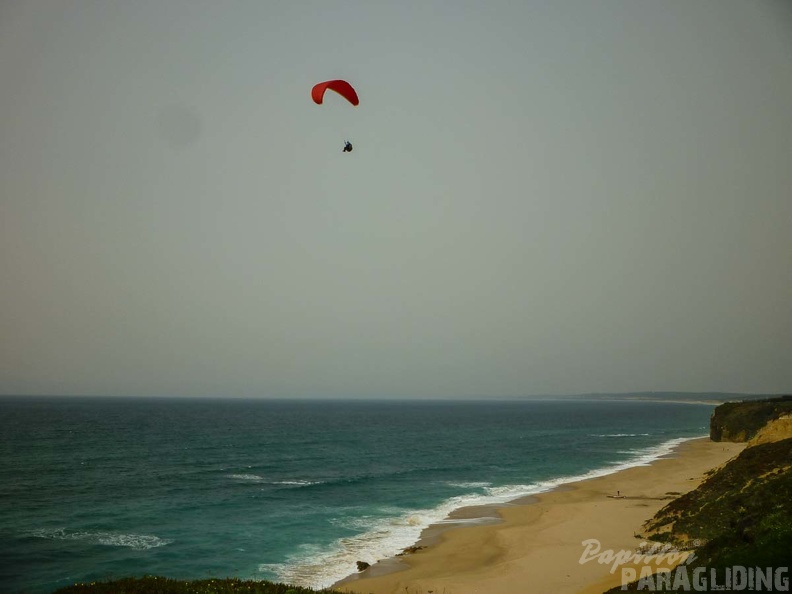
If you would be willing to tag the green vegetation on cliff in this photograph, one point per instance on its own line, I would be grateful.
(161, 585)
(740, 421)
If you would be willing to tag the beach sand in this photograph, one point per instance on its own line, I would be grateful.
(537, 547)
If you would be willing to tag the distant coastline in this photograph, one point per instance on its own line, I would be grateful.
(676, 397)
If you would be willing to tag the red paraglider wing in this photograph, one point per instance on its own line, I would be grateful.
(341, 87)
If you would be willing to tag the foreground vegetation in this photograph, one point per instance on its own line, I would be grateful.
(161, 585)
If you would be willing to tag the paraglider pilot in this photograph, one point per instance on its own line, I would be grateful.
(347, 146)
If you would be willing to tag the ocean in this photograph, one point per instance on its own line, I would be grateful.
(294, 491)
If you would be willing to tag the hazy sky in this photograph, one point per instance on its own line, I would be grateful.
(544, 197)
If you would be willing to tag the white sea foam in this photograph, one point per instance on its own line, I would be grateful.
(385, 537)
(255, 478)
(619, 435)
(298, 483)
(138, 542)
(246, 477)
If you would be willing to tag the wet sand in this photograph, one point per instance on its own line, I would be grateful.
(537, 545)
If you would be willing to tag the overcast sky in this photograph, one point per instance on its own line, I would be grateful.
(544, 197)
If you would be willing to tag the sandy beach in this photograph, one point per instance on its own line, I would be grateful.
(538, 546)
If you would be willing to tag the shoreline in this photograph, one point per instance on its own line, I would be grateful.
(534, 543)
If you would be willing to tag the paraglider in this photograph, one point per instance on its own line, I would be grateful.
(341, 87)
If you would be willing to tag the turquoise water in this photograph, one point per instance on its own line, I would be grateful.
(293, 491)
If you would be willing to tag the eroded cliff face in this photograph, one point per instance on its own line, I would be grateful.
(776, 430)
(741, 421)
